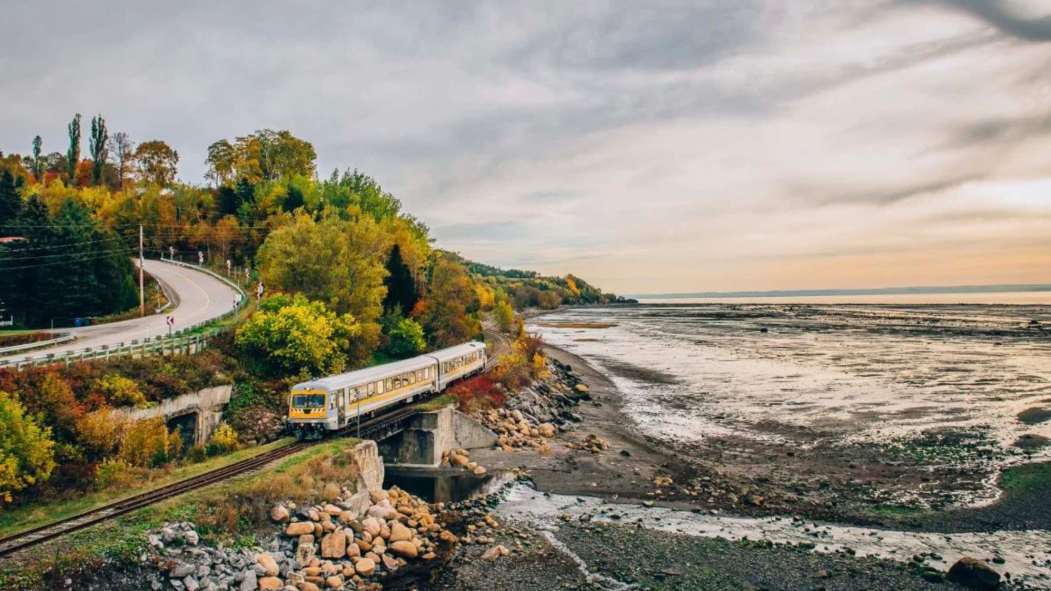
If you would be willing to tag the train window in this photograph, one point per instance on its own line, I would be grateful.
(372, 388)
(308, 400)
(388, 384)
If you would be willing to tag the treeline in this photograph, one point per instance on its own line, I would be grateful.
(529, 289)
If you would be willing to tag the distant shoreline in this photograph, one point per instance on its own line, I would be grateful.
(917, 290)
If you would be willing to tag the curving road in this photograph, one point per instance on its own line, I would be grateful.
(200, 296)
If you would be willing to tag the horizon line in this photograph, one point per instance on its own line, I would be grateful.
(931, 289)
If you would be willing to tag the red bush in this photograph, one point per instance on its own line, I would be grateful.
(477, 393)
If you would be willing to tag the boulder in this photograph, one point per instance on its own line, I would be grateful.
(400, 533)
(478, 471)
(353, 550)
(546, 430)
(448, 537)
(268, 563)
(279, 513)
(271, 583)
(458, 460)
(249, 582)
(390, 563)
(405, 549)
(299, 528)
(334, 582)
(308, 586)
(334, 545)
(974, 574)
(180, 570)
(495, 552)
(372, 525)
(382, 510)
(365, 567)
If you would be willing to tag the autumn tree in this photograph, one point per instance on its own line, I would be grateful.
(504, 314)
(227, 234)
(156, 162)
(265, 155)
(335, 260)
(27, 453)
(124, 150)
(99, 148)
(446, 313)
(73, 152)
(292, 335)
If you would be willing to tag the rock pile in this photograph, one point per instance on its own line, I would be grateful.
(592, 443)
(461, 458)
(350, 543)
(538, 411)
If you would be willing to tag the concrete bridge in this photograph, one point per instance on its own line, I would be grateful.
(196, 414)
(429, 434)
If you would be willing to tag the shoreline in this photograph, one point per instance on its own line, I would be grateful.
(606, 528)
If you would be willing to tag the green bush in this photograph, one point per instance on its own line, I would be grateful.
(404, 338)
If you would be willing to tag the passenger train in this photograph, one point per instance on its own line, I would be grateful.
(335, 402)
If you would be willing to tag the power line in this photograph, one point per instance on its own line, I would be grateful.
(4, 259)
(91, 257)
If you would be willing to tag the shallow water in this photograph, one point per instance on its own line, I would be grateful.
(808, 375)
(1026, 555)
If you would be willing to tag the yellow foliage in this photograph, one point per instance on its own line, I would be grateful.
(146, 443)
(223, 439)
(113, 473)
(120, 391)
(101, 430)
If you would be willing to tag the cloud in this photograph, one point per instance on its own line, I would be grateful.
(1005, 17)
(665, 146)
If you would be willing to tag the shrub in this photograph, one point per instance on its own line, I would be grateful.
(100, 431)
(477, 394)
(27, 453)
(197, 454)
(113, 473)
(120, 391)
(223, 440)
(146, 443)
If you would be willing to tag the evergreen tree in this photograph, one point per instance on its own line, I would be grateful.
(294, 198)
(228, 201)
(10, 202)
(99, 149)
(38, 162)
(73, 153)
(66, 267)
(401, 287)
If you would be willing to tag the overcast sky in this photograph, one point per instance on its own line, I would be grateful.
(646, 146)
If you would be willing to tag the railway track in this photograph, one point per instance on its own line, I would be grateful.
(380, 426)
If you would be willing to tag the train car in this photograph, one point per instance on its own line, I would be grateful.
(459, 362)
(334, 402)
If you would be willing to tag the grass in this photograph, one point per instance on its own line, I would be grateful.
(1026, 478)
(19, 519)
(436, 403)
(230, 511)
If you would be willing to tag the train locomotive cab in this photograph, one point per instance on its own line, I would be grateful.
(309, 412)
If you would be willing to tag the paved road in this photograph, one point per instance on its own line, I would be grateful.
(200, 297)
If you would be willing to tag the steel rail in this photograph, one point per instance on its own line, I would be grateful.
(381, 425)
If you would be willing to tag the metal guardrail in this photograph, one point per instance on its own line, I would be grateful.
(37, 344)
(185, 340)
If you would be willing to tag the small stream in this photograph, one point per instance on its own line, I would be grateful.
(1026, 555)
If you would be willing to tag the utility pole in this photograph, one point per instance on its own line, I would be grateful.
(142, 292)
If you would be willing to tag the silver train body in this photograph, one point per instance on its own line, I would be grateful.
(338, 401)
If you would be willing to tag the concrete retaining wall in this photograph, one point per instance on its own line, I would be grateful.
(433, 433)
(206, 404)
